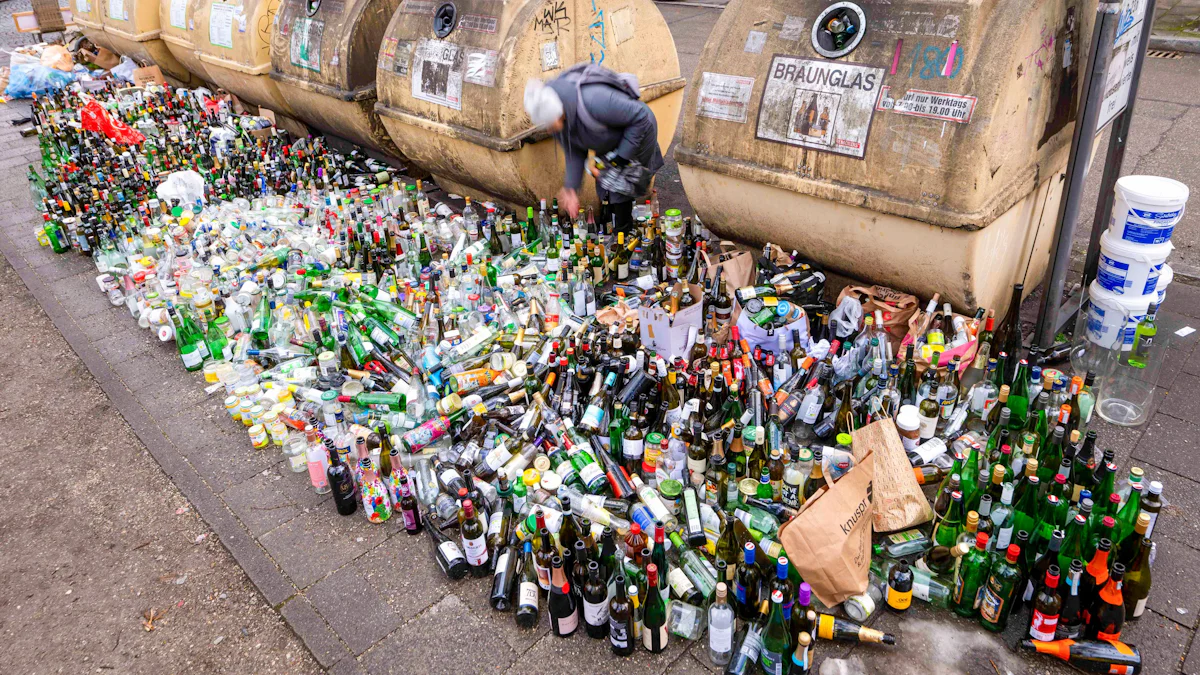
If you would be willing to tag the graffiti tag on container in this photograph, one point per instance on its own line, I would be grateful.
(553, 18)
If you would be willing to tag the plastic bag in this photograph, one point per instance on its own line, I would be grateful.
(124, 70)
(186, 186)
(94, 117)
(29, 77)
(847, 317)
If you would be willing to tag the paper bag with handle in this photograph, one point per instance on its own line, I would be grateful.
(897, 307)
(829, 542)
(898, 500)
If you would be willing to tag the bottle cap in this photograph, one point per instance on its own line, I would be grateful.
(981, 540)
(1013, 552)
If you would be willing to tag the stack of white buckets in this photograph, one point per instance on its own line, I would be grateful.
(1133, 270)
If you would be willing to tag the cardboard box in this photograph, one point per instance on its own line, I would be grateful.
(102, 57)
(668, 335)
(148, 74)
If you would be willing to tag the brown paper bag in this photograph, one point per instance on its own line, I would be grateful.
(829, 542)
(148, 74)
(897, 308)
(898, 500)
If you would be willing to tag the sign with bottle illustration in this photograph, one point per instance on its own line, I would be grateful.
(304, 43)
(821, 105)
(437, 71)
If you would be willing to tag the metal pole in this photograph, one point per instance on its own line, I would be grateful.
(1077, 165)
(1116, 153)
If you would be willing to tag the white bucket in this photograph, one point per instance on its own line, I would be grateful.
(1146, 208)
(1109, 314)
(1165, 277)
(1130, 269)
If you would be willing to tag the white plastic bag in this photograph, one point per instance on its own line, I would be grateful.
(124, 70)
(846, 318)
(186, 186)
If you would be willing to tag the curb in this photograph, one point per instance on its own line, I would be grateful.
(1173, 43)
(275, 588)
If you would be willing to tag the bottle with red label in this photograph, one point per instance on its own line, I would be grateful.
(1046, 608)
(1108, 614)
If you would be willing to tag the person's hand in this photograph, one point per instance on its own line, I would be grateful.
(594, 170)
(569, 199)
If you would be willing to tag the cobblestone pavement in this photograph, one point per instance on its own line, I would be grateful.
(369, 598)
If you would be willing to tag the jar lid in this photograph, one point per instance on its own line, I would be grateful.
(670, 488)
(908, 419)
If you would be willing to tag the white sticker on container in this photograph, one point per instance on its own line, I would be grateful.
(755, 41)
(220, 24)
(179, 14)
(793, 28)
(549, 56)
(481, 67)
(724, 97)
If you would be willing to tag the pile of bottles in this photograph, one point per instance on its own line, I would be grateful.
(450, 366)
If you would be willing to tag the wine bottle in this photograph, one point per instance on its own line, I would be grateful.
(502, 577)
(564, 612)
(528, 589)
(621, 628)
(474, 540)
(595, 603)
(449, 556)
(654, 617)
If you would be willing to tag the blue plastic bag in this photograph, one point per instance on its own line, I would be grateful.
(27, 78)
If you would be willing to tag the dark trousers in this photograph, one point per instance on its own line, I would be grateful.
(622, 216)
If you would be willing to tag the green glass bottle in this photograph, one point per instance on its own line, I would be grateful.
(1143, 338)
(1000, 591)
(947, 531)
(970, 577)
(1018, 395)
(776, 648)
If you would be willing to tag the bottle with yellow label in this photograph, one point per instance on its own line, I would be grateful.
(899, 588)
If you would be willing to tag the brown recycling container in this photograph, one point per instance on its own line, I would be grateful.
(87, 15)
(914, 144)
(180, 32)
(234, 44)
(132, 28)
(452, 82)
(323, 55)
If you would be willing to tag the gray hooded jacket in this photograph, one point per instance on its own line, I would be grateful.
(630, 127)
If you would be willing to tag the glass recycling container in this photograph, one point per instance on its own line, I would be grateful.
(919, 145)
(323, 55)
(452, 80)
(132, 28)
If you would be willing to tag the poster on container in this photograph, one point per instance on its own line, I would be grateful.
(437, 73)
(304, 46)
(823, 105)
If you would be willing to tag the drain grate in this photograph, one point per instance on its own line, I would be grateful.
(1163, 54)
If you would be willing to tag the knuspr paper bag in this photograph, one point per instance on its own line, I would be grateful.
(829, 542)
(899, 502)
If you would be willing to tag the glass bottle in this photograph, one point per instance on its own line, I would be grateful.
(774, 655)
(654, 617)
(1000, 591)
(1138, 581)
(528, 589)
(564, 611)
(1108, 613)
(721, 621)
(970, 577)
(1047, 607)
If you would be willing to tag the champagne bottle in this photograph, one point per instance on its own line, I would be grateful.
(564, 612)
(1091, 656)
(830, 627)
